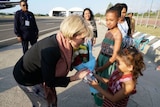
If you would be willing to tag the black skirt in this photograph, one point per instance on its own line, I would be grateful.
(23, 77)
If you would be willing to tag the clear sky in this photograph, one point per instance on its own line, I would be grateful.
(97, 6)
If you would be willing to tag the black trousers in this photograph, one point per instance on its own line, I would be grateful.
(25, 44)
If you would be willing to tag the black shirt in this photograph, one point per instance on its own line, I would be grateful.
(26, 32)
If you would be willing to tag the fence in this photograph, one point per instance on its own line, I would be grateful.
(150, 21)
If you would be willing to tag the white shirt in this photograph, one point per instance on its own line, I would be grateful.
(123, 27)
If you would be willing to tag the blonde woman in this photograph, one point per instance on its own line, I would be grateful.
(49, 61)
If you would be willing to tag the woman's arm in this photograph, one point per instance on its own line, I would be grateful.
(49, 59)
(79, 75)
(64, 81)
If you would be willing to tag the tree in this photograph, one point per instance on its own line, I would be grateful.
(110, 5)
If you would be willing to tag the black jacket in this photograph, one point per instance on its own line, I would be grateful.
(38, 65)
(129, 25)
(21, 30)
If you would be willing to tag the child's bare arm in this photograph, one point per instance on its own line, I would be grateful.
(104, 80)
(127, 88)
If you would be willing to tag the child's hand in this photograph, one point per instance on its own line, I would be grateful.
(99, 69)
(93, 83)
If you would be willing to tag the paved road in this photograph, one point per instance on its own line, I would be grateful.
(7, 36)
(77, 93)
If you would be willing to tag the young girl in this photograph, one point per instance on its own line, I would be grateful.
(122, 82)
(111, 44)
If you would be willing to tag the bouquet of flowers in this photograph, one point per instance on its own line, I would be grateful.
(84, 59)
(80, 55)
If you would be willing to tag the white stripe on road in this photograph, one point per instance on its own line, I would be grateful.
(16, 37)
(8, 39)
(6, 29)
(6, 25)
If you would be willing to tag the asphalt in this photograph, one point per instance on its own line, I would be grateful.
(77, 94)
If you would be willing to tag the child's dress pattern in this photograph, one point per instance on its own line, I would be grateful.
(114, 85)
(105, 53)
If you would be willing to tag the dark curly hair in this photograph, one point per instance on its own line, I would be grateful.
(92, 16)
(132, 56)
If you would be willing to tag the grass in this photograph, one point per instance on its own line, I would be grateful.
(148, 30)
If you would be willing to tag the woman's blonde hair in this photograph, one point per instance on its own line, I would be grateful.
(75, 25)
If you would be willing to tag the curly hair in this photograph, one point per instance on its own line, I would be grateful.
(132, 56)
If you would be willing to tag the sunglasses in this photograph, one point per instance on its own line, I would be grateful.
(24, 5)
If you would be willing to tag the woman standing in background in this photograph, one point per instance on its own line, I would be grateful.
(130, 15)
(89, 17)
(124, 24)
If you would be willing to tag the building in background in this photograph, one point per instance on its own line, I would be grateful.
(62, 12)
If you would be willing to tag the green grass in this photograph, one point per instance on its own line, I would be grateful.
(148, 30)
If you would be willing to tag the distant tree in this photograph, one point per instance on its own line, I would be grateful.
(110, 5)
(41, 14)
(98, 15)
(10, 14)
(135, 14)
(2, 13)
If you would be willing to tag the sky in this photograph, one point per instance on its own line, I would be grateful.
(97, 6)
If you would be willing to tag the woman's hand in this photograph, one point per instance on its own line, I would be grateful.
(79, 75)
(50, 94)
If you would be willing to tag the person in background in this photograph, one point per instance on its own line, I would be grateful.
(124, 24)
(130, 15)
(46, 64)
(88, 15)
(25, 26)
(111, 44)
(122, 82)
